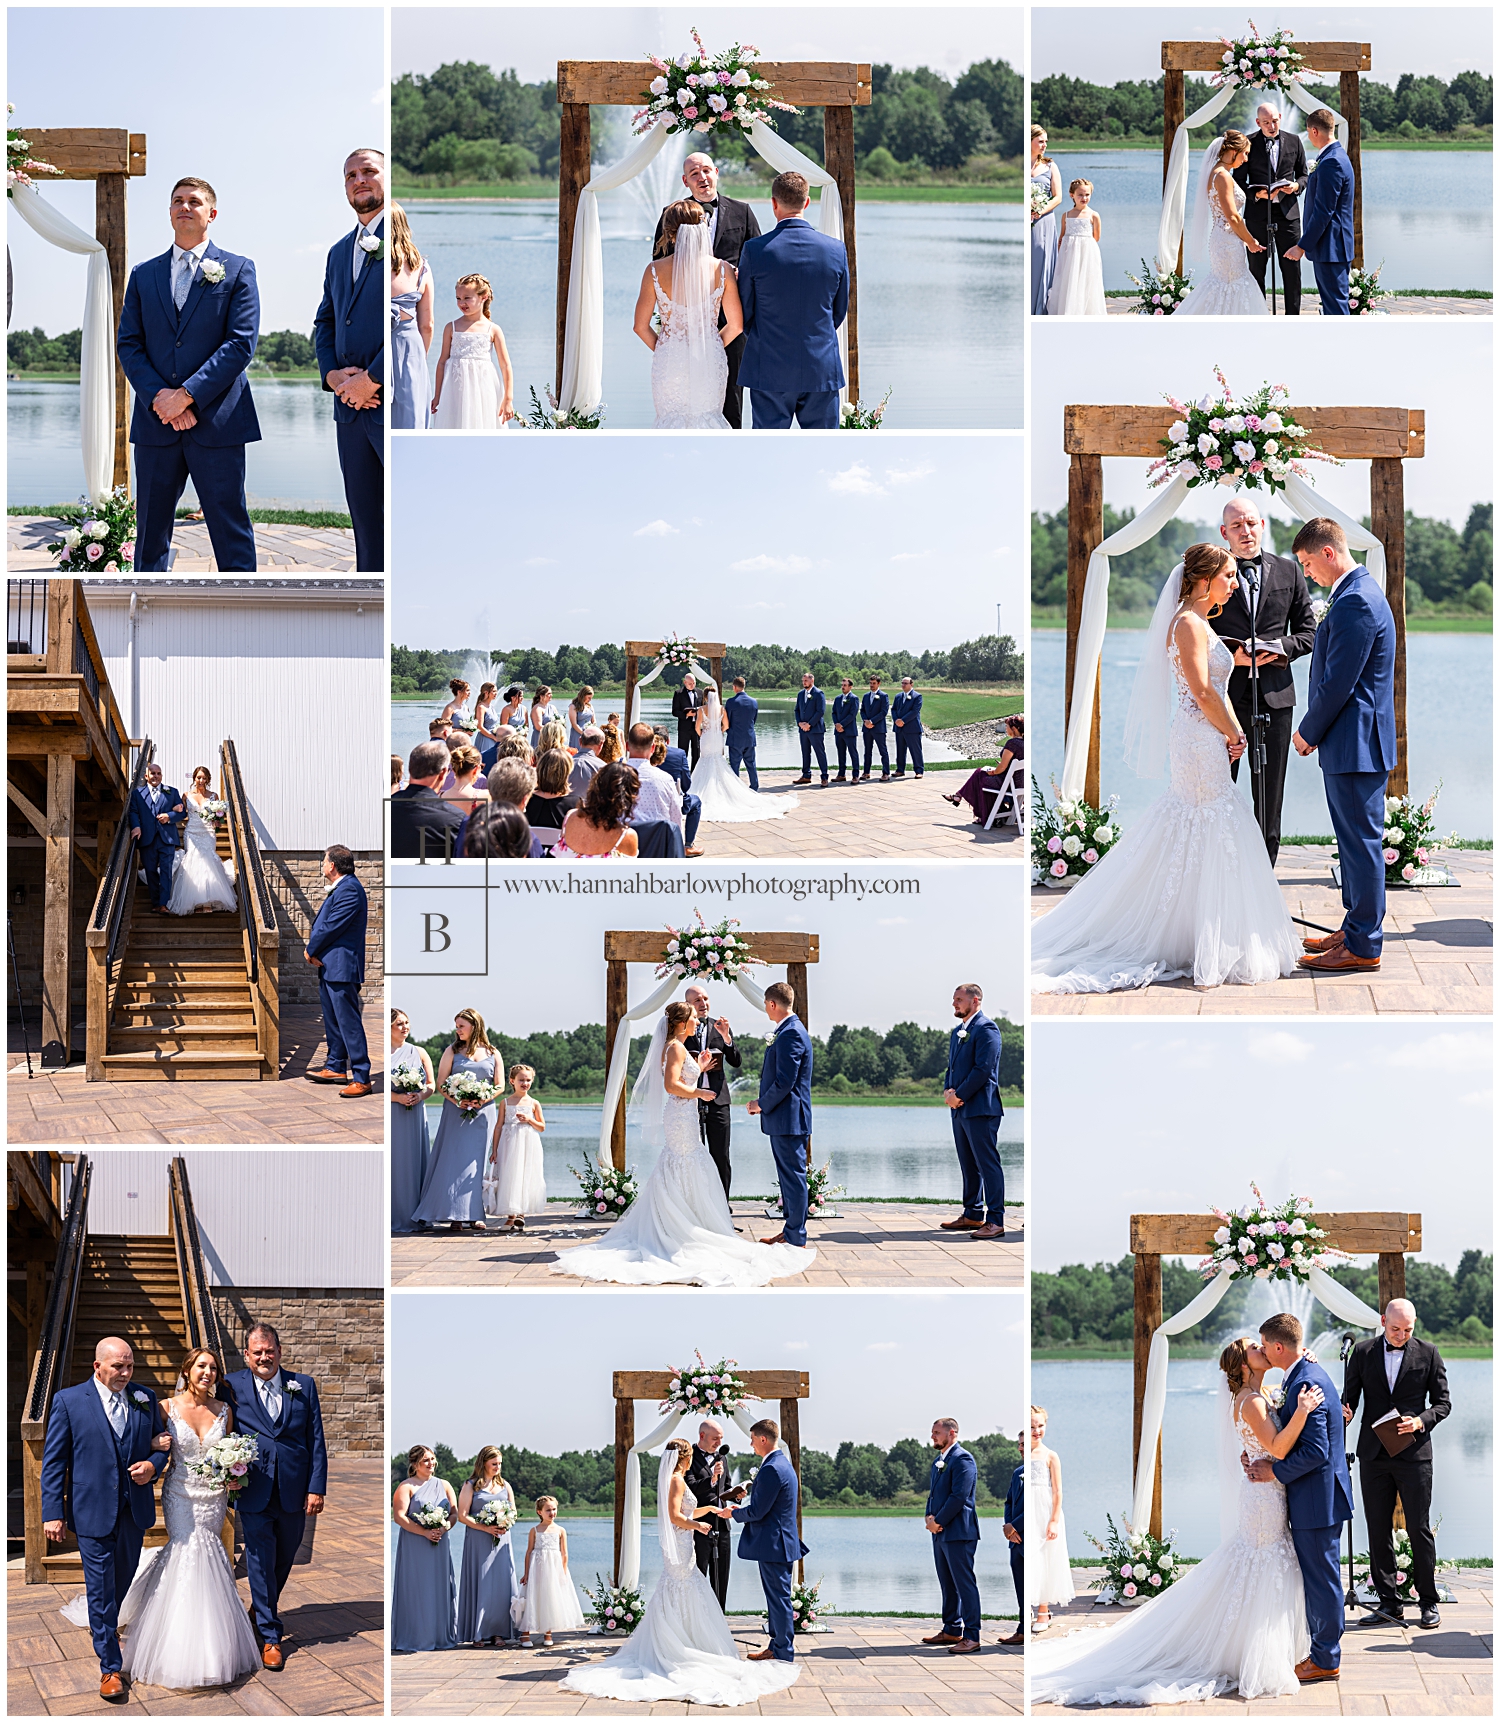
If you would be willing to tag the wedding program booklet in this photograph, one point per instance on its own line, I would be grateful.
(1393, 1441)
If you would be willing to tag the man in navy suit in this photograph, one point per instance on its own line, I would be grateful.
(1328, 216)
(873, 710)
(785, 1109)
(1351, 722)
(954, 1524)
(288, 1480)
(971, 1089)
(906, 714)
(794, 291)
(1015, 1537)
(676, 765)
(336, 945)
(743, 712)
(156, 811)
(188, 329)
(1319, 1497)
(811, 707)
(349, 333)
(846, 732)
(770, 1538)
(98, 1468)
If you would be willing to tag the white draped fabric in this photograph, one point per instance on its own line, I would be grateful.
(698, 669)
(583, 335)
(96, 369)
(1333, 1297)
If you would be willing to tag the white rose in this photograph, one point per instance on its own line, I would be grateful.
(1275, 1250)
(72, 536)
(1243, 1247)
(1206, 443)
(1222, 1235)
(1178, 432)
(1235, 423)
(1271, 422)
(684, 98)
(741, 79)
(1244, 451)
(658, 86)
(1104, 834)
(1164, 1561)
(1071, 846)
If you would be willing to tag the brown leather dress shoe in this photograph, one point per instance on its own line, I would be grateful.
(354, 1091)
(963, 1648)
(761, 1656)
(328, 1075)
(1337, 961)
(962, 1224)
(989, 1230)
(1324, 941)
(1016, 1638)
(943, 1639)
(778, 1238)
(112, 1688)
(271, 1656)
(1307, 1670)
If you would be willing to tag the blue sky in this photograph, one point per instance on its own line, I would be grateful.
(882, 1365)
(263, 103)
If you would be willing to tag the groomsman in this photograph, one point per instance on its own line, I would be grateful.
(906, 711)
(971, 1089)
(954, 1523)
(742, 712)
(811, 706)
(873, 709)
(336, 949)
(686, 704)
(846, 731)
(1015, 1537)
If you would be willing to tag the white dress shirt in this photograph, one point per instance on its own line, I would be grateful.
(112, 1399)
(1393, 1357)
(366, 228)
(660, 798)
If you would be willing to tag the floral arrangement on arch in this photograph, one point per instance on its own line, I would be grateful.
(1270, 62)
(1162, 290)
(20, 164)
(706, 93)
(1365, 291)
(606, 1192)
(1136, 1565)
(615, 1608)
(708, 1388)
(102, 538)
(805, 1607)
(1265, 1242)
(681, 653)
(1068, 839)
(705, 953)
(1254, 441)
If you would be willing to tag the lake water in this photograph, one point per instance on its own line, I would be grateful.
(865, 1563)
(1427, 213)
(940, 289)
(1089, 1422)
(874, 1151)
(776, 732)
(1448, 709)
(295, 465)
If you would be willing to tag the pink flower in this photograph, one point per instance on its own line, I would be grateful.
(1407, 871)
(1216, 425)
(94, 552)
(1283, 1226)
(127, 550)
(600, 1209)
(1158, 313)
(1253, 421)
(1251, 1259)
(1400, 1577)
(1214, 462)
(1422, 857)
(690, 113)
(1130, 1590)
(1391, 856)
(1053, 845)
(1091, 856)
(1257, 466)
(692, 79)
(1059, 870)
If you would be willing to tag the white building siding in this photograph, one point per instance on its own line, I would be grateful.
(271, 1217)
(299, 687)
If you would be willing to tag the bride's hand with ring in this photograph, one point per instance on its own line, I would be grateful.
(1234, 747)
(1309, 1398)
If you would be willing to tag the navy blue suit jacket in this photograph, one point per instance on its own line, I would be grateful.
(1328, 208)
(794, 290)
(950, 1495)
(873, 709)
(291, 1462)
(152, 830)
(1015, 1501)
(350, 326)
(205, 348)
(908, 708)
(786, 1082)
(1351, 682)
(743, 712)
(337, 935)
(677, 766)
(769, 1517)
(974, 1068)
(811, 706)
(1316, 1472)
(846, 712)
(82, 1463)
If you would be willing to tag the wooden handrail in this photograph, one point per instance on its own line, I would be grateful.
(202, 1319)
(104, 919)
(261, 936)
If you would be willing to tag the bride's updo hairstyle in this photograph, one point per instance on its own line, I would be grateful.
(1233, 1363)
(485, 292)
(686, 212)
(1200, 563)
(678, 1013)
(1235, 143)
(415, 1456)
(683, 1450)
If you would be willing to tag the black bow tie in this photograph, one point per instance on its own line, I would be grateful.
(708, 203)
(1396, 1349)
(1248, 563)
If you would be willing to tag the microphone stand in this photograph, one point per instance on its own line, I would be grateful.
(1351, 1598)
(1270, 238)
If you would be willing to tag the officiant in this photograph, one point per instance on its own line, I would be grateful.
(730, 224)
(707, 1479)
(1275, 156)
(714, 1121)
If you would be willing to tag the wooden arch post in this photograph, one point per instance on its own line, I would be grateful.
(635, 650)
(1391, 1237)
(1383, 436)
(836, 86)
(795, 950)
(109, 158)
(786, 1386)
(1348, 59)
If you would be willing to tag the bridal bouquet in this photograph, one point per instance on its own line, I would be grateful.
(226, 1464)
(214, 811)
(1262, 1242)
(805, 1607)
(1410, 840)
(1365, 291)
(1068, 839)
(709, 1388)
(616, 1608)
(1254, 441)
(698, 92)
(497, 1513)
(1271, 62)
(469, 1093)
(606, 1191)
(101, 539)
(1162, 290)
(1136, 1565)
(20, 164)
(431, 1516)
(681, 653)
(705, 953)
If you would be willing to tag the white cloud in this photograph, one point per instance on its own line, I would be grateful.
(884, 1346)
(540, 562)
(911, 556)
(855, 481)
(909, 475)
(764, 564)
(1279, 1046)
(655, 529)
(796, 1346)
(1460, 1050)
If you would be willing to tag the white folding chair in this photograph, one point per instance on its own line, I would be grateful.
(1010, 785)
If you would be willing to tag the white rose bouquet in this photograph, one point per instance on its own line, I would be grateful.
(1162, 290)
(682, 653)
(616, 1608)
(431, 1516)
(470, 1094)
(226, 1463)
(497, 1513)
(606, 1192)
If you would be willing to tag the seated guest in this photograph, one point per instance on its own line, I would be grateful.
(661, 796)
(397, 772)
(673, 761)
(553, 801)
(613, 750)
(422, 823)
(514, 781)
(554, 735)
(499, 830)
(991, 777)
(599, 827)
(464, 784)
(439, 730)
(511, 745)
(591, 740)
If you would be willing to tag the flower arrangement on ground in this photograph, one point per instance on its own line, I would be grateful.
(606, 1192)
(615, 1608)
(721, 93)
(1406, 1585)
(103, 539)
(432, 1516)
(679, 651)
(1265, 1242)
(705, 953)
(805, 1607)
(226, 1464)
(549, 418)
(1365, 291)
(821, 1190)
(1410, 838)
(20, 164)
(1269, 62)
(469, 1093)
(1136, 1565)
(1254, 441)
(496, 1513)
(1162, 290)
(853, 417)
(1070, 838)
(708, 1388)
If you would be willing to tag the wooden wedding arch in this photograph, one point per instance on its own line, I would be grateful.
(786, 1386)
(713, 652)
(1348, 59)
(838, 87)
(795, 950)
(1153, 1236)
(110, 159)
(1383, 436)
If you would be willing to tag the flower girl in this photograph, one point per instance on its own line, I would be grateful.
(1078, 286)
(516, 1182)
(551, 1599)
(465, 395)
(1049, 1575)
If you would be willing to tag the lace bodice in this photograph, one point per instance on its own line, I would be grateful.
(672, 314)
(548, 1540)
(680, 1133)
(1222, 282)
(1218, 215)
(191, 1506)
(1262, 1507)
(711, 741)
(1077, 226)
(1039, 1478)
(471, 346)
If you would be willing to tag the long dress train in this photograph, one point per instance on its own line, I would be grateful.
(725, 799)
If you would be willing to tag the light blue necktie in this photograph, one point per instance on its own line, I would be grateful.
(182, 280)
(117, 1413)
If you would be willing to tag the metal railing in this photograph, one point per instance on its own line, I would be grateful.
(198, 1311)
(26, 618)
(117, 882)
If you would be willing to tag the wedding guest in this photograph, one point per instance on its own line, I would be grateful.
(1015, 1539)
(906, 715)
(542, 712)
(512, 745)
(424, 1591)
(987, 778)
(873, 708)
(660, 796)
(1078, 285)
(580, 716)
(472, 347)
(554, 798)
(422, 823)
(409, 1139)
(514, 781)
(465, 784)
(587, 762)
(742, 712)
(600, 826)
(553, 736)
(459, 703)
(452, 1191)
(612, 753)
(499, 831)
(1049, 1578)
(411, 327)
(846, 731)
(398, 771)
(517, 1185)
(552, 1604)
(1044, 174)
(487, 1577)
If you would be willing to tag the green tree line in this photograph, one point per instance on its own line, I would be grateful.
(34, 349)
(1447, 572)
(1094, 1305)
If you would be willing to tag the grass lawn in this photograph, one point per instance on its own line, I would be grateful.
(867, 191)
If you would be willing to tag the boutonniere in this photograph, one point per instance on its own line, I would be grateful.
(211, 271)
(941, 1464)
(293, 1387)
(141, 1399)
(372, 245)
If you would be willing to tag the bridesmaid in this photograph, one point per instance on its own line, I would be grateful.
(424, 1591)
(459, 704)
(543, 712)
(411, 327)
(452, 1191)
(1043, 226)
(513, 712)
(580, 714)
(487, 1578)
(487, 726)
(409, 1140)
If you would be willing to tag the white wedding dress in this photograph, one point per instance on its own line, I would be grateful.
(198, 876)
(471, 385)
(1188, 890)
(724, 797)
(1228, 289)
(1237, 1621)
(689, 365)
(186, 1624)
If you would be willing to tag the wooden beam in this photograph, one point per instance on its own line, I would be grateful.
(1349, 109)
(32, 812)
(709, 649)
(632, 673)
(791, 1434)
(1360, 1233)
(1316, 56)
(109, 230)
(838, 159)
(1391, 1277)
(762, 1384)
(573, 171)
(777, 948)
(1148, 1318)
(57, 915)
(85, 152)
(28, 1187)
(1388, 523)
(624, 1442)
(1085, 530)
(1348, 433)
(803, 83)
(616, 1008)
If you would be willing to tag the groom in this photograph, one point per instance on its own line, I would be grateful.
(1350, 722)
(971, 1090)
(156, 811)
(188, 331)
(1318, 1494)
(287, 1482)
(770, 1537)
(1328, 216)
(785, 1109)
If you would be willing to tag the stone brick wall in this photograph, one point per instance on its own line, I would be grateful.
(297, 885)
(336, 1334)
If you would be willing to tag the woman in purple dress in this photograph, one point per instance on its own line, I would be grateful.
(991, 777)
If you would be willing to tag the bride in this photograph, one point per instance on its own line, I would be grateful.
(187, 1625)
(723, 796)
(200, 880)
(682, 296)
(1238, 1619)
(683, 1648)
(679, 1228)
(1189, 890)
(1221, 238)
